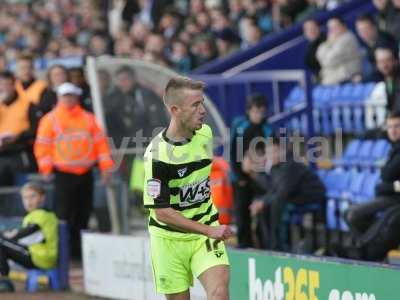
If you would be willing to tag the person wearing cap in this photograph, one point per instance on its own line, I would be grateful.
(69, 144)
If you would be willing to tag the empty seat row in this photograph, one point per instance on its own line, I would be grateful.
(364, 153)
(334, 107)
(350, 185)
(345, 188)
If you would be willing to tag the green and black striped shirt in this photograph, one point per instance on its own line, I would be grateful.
(177, 175)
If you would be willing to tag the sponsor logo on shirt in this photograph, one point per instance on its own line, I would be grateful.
(194, 193)
(182, 171)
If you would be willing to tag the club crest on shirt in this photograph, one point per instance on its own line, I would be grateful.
(153, 187)
(181, 172)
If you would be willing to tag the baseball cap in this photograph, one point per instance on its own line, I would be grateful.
(68, 88)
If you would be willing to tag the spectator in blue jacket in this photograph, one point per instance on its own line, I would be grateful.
(246, 131)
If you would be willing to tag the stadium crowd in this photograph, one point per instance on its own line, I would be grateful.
(180, 34)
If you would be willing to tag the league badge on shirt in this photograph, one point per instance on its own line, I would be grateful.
(153, 187)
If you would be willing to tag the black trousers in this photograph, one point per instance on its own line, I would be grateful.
(243, 196)
(361, 217)
(12, 163)
(10, 249)
(74, 204)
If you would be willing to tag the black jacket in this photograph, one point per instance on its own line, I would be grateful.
(390, 173)
(294, 182)
(139, 109)
(310, 58)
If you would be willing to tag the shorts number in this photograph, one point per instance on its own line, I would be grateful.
(212, 247)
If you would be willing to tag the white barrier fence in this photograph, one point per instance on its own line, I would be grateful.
(118, 267)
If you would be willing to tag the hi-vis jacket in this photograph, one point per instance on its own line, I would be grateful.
(34, 92)
(71, 141)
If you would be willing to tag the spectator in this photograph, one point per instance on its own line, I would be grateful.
(389, 17)
(381, 6)
(289, 182)
(16, 133)
(56, 75)
(388, 66)
(26, 82)
(220, 20)
(315, 38)
(151, 11)
(250, 34)
(69, 144)
(339, 56)
(361, 217)
(289, 10)
(131, 107)
(227, 42)
(98, 45)
(139, 32)
(236, 11)
(35, 244)
(77, 77)
(155, 46)
(169, 24)
(181, 59)
(311, 10)
(372, 38)
(123, 47)
(204, 50)
(245, 130)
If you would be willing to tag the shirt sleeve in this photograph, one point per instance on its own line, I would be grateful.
(29, 235)
(156, 192)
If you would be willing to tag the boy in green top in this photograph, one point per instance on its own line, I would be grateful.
(185, 237)
(35, 244)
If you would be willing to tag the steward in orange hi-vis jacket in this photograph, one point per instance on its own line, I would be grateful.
(69, 144)
(221, 189)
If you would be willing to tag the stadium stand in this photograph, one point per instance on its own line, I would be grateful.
(187, 35)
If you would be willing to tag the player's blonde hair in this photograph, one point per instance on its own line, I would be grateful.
(175, 86)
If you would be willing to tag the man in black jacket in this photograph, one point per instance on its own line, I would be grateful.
(289, 182)
(313, 35)
(361, 217)
(388, 66)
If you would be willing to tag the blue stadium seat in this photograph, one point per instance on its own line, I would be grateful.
(346, 92)
(295, 96)
(364, 152)
(355, 186)
(59, 276)
(321, 98)
(349, 155)
(337, 182)
(322, 174)
(379, 153)
(368, 190)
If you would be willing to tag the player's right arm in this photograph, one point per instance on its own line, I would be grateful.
(173, 218)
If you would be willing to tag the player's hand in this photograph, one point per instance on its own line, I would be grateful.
(221, 232)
